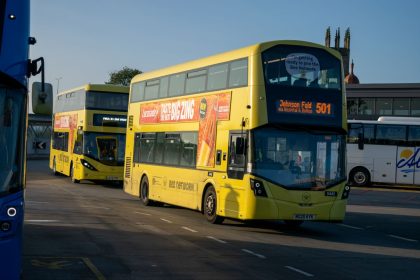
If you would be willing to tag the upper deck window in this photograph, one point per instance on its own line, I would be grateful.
(106, 101)
(196, 81)
(217, 77)
(151, 90)
(297, 66)
(238, 75)
(176, 84)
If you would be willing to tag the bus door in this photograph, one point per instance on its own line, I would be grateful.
(384, 163)
(388, 140)
(417, 166)
(406, 165)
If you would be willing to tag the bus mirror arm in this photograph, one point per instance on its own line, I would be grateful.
(34, 70)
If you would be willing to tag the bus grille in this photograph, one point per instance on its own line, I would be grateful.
(127, 167)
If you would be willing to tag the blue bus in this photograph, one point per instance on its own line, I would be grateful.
(15, 69)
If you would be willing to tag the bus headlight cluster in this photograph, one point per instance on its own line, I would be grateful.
(88, 165)
(346, 192)
(258, 188)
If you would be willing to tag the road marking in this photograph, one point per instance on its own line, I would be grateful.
(299, 271)
(153, 229)
(189, 229)
(51, 264)
(254, 254)
(36, 202)
(352, 227)
(165, 220)
(95, 207)
(218, 240)
(402, 238)
(41, 221)
(141, 213)
(94, 269)
(368, 209)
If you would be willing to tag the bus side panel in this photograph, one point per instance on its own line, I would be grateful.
(417, 170)
(384, 168)
(11, 240)
(357, 157)
(231, 195)
(405, 165)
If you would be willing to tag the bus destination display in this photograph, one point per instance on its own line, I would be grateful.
(305, 107)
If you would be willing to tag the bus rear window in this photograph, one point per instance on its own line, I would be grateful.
(296, 66)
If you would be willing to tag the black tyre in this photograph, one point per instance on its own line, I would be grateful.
(210, 207)
(55, 168)
(72, 174)
(144, 192)
(360, 177)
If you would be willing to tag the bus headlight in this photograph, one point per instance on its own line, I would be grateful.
(11, 211)
(258, 188)
(346, 192)
(88, 165)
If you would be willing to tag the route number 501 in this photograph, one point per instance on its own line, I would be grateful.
(323, 108)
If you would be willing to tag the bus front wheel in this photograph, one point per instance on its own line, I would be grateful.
(55, 168)
(360, 177)
(210, 207)
(74, 180)
(144, 191)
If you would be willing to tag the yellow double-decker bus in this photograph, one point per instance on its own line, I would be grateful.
(88, 139)
(254, 133)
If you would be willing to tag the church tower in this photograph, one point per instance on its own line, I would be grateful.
(344, 51)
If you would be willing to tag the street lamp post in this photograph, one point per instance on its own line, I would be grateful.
(58, 82)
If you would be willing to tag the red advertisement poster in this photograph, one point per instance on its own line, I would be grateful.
(182, 110)
(207, 110)
(67, 121)
(207, 131)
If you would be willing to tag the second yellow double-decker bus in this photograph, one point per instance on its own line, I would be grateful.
(254, 133)
(88, 139)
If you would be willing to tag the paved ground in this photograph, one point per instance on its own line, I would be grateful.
(87, 231)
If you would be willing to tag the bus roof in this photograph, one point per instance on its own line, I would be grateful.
(227, 56)
(99, 87)
(390, 120)
(399, 119)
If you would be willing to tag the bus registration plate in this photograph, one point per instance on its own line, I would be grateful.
(114, 178)
(305, 217)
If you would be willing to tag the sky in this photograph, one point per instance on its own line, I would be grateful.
(83, 41)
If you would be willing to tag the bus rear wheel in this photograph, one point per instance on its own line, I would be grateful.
(144, 192)
(210, 207)
(360, 177)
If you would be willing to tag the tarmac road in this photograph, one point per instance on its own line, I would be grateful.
(88, 231)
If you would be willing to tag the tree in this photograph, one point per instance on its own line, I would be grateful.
(123, 76)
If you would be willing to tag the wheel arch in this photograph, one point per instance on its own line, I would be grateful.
(207, 185)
